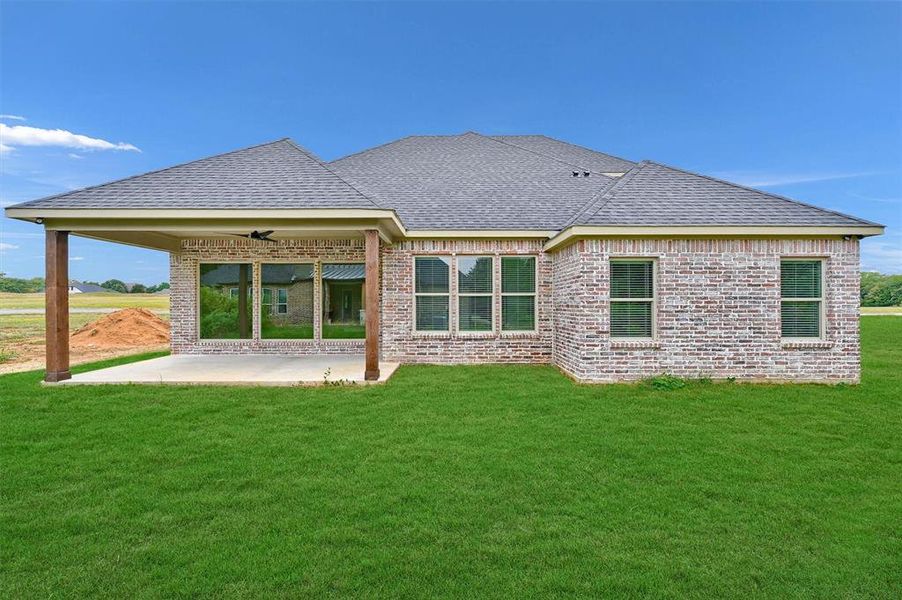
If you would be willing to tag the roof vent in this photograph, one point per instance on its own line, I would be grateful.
(576, 173)
(586, 173)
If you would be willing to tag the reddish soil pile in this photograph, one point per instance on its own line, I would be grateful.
(124, 328)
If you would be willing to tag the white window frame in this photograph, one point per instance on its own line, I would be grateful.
(653, 299)
(821, 300)
(534, 294)
(273, 294)
(278, 303)
(451, 270)
(491, 295)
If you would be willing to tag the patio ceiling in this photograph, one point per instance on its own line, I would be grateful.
(165, 229)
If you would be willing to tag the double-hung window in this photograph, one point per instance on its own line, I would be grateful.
(518, 293)
(801, 298)
(474, 293)
(432, 277)
(632, 298)
(275, 301)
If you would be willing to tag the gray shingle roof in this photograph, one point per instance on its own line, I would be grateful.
(570, 153)
(655, 194)
(466, 181)
(470, 181)
(279, 174)
(88, 287)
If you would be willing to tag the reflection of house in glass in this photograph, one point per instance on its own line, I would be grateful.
(343, 294)
(226, 295)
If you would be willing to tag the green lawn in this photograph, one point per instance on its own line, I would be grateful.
(457, 482)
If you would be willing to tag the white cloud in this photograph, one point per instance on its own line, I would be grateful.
(20, 235)
(752, 179)
(75, 156)
(873, 199)
(13, 118)
(23, 135)
(76, 258)
(5, 246)
(881, 256)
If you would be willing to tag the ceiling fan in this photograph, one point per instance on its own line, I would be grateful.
(263, 236)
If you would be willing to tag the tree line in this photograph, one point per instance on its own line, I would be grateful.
(36, 284)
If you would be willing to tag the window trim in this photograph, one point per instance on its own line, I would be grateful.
(821, 300)
(321, 304)
(490, 332)
(654, 299)
(314, 262)
(197, 306)
(451, 310)
(534, 294)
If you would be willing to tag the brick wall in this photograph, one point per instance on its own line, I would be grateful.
(401, 343)
(183, 267)
(718, 312)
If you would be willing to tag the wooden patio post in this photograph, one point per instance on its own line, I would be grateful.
(371, 308)
(56, 310)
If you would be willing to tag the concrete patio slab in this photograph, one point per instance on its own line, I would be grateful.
(244, 369)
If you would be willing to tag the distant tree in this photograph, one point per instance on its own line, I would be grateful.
(156, 288)
(21, 286)
(115, 285)
(881, 290)
(138, 288)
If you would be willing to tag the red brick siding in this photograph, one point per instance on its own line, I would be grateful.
(718, 312)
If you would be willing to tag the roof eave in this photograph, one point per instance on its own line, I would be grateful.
(580, 232)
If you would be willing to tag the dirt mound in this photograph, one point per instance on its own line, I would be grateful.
(124, 328)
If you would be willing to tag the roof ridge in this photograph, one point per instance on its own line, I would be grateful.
(316, 159)
(563, 162)
(771, 194)
(365, 150)
(601, 199)
(548, 137)
(151, 172)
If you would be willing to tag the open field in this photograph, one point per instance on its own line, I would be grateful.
(881, 310)
(22, 343)
(499, 481)
(155, 302)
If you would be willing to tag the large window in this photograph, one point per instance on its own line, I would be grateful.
(801, 291)
(286, 301)
(474, 293)
(431, 289)
(518, 293)
(225, 298)
(344, 296)
(632, 298)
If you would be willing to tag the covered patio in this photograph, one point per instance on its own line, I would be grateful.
(250, 359)
(243, 369)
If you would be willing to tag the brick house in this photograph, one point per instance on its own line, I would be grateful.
(476, 249)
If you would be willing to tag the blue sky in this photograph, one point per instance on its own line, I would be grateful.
(801, 99)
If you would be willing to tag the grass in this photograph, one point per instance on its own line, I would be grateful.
(305, 332)
(158, 302)
(502, 481)
(15, 329)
